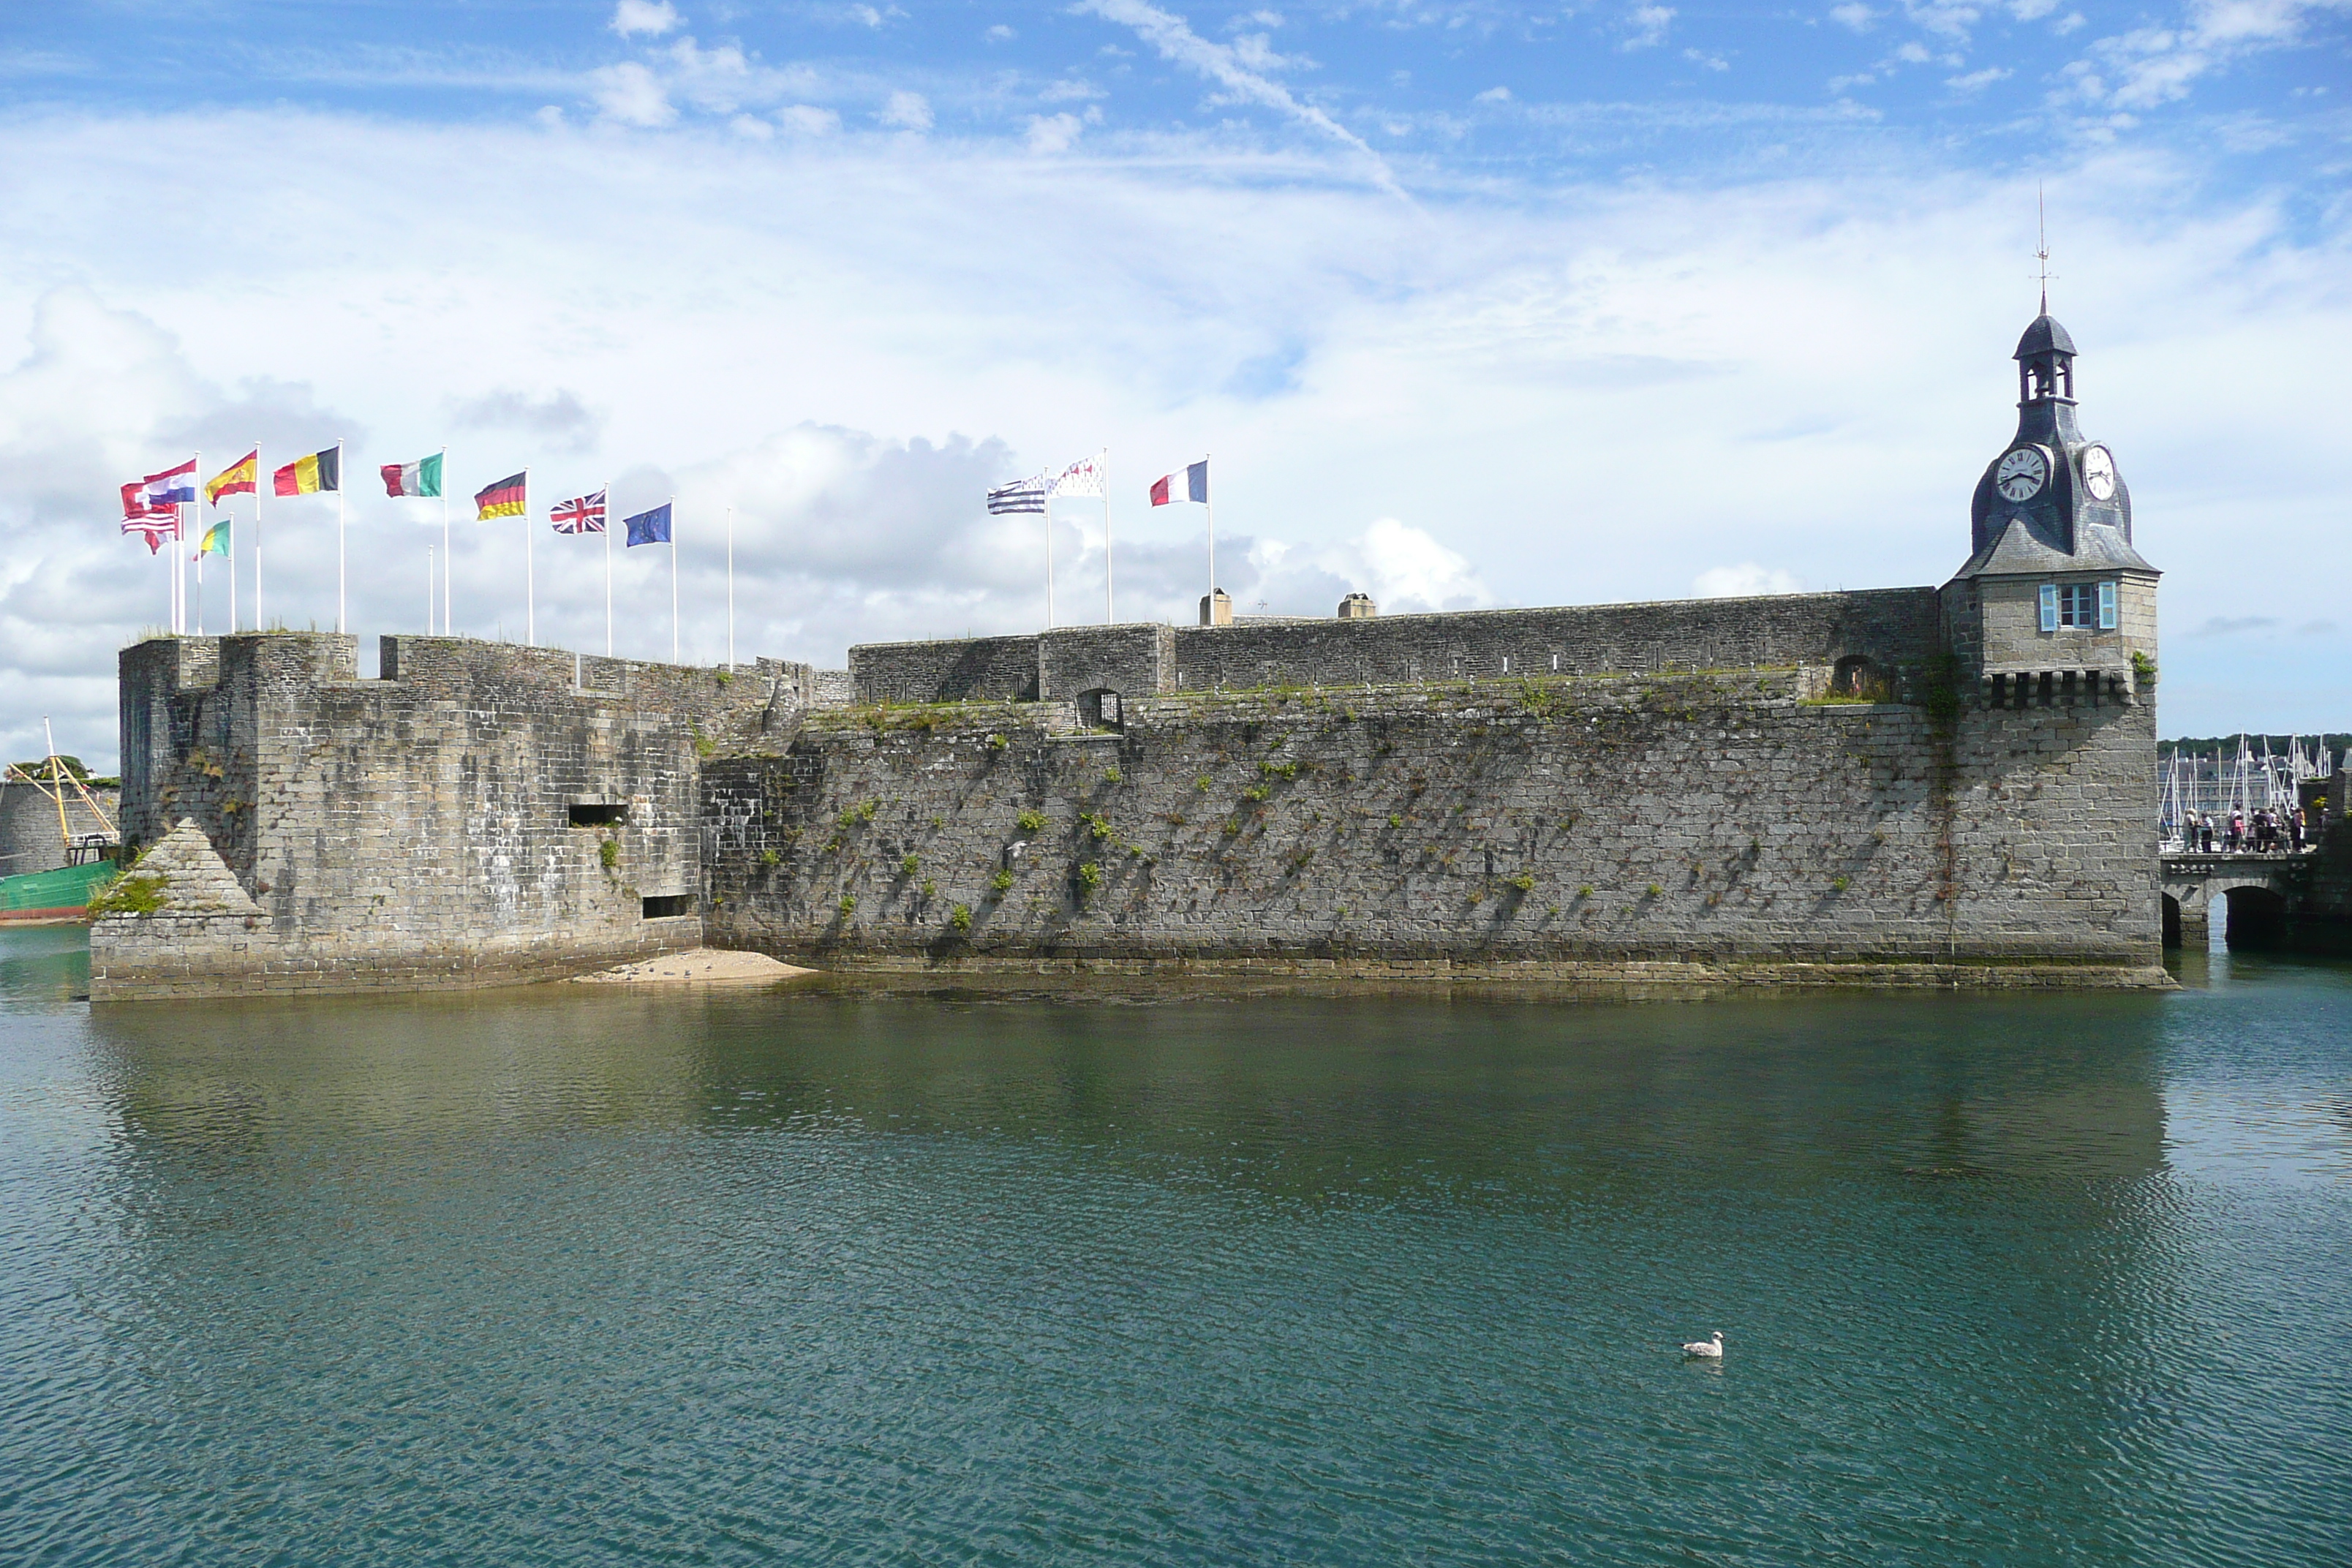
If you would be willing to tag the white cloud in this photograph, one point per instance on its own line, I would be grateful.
(1912, 53)
(1000, 33)
(906, 112)
(1977, 81)
(1709, 61)
(2152, 66)
(1494, 95)
(2031, 10)
(1052, 133)
(807, 120)
(1856, 16)
(1246, 77)
(1646, 26)
(1745, 581)
(650, 18)
(633, 95)
(752, 127)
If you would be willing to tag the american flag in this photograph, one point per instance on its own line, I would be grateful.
(581, 515)
(154, 522)
(1021, 495)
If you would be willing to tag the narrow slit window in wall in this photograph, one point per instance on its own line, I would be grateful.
(598, 814)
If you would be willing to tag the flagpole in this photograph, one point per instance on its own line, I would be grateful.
(428, 589)
(530, 575)
(196, 477)
(234, 625)
(673, 579)
(1049, 560)
(730, 589)
(1210, 508)
(257, 471)
(339, 536)
(446, 555)
(1110, 615)
(608, 568)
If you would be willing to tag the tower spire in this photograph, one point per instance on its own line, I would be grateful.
(2041, 246)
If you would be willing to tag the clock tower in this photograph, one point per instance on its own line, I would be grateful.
(2054, 605)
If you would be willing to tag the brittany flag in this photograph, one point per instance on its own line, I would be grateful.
(1192, 484)
(582, 514)
(239, 479)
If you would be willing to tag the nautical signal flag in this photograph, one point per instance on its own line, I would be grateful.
(649, 527)
(308, 476)
(420, 478)
(581, 515)
(239, 478)
(508, 497)
(1192, 484)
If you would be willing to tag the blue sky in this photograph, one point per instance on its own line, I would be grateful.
(1474, 303)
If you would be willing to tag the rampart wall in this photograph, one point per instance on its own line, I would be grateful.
(419, 828)
(30, 837)
(1897, 628)
(1648, 830)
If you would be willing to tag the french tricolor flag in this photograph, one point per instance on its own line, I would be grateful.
(1193, 484)
(173, 487)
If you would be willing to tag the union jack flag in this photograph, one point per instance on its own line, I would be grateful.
(581, 515)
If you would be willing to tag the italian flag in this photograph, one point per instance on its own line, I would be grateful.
(420, 478)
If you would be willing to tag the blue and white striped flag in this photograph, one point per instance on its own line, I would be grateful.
(1021, 495)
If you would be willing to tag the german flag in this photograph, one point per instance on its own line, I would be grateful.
(236, 480)
(504, 498)
(308, 476)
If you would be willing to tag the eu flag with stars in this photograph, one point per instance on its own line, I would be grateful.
(649, 527)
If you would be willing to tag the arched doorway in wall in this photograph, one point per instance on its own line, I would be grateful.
(2172, 921)
(1100, 710)
(1857, 676)
(2253, 919)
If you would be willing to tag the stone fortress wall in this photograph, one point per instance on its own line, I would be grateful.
(30, 840)
(1646, 830)
(1897, 628)
(481, 813)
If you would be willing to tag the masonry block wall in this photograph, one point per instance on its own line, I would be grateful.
(1707, 826)
(30, 836)
(1897, 628)
(420, 828)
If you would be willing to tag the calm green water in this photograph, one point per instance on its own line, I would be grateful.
(568, 1277)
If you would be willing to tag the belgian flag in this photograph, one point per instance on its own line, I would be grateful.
(308, 476)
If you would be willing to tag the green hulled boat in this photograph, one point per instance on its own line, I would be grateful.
(59, 895)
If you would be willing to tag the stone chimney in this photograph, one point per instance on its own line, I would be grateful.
(1358, 607)
(1216, 609)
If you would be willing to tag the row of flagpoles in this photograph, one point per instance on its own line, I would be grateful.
(1089, 478)
(151, 510)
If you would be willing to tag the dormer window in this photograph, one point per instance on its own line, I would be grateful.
(2085, 607)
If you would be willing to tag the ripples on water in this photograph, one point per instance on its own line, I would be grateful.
(555, 1277)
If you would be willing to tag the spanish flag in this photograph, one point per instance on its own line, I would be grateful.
(236, 480)
(308, 476)
(503, 497)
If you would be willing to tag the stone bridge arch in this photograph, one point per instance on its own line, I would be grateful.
(2191, 882)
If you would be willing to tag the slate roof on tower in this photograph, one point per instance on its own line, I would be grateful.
(2044, 336)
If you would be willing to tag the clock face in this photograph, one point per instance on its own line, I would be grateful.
(2099, 473)
(2022, 473)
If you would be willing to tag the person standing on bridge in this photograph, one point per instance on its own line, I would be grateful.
(2237, 834)
(2294, 827)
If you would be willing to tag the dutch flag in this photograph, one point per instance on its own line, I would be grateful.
(173, 487)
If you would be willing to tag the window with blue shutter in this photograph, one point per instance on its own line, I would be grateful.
(2049, 606)
(2107, 606)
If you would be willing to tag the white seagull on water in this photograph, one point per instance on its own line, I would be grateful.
(1712, 1349)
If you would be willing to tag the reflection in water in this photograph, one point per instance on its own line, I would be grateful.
(573, 1276)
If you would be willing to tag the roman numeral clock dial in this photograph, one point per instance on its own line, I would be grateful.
(2022, 473)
